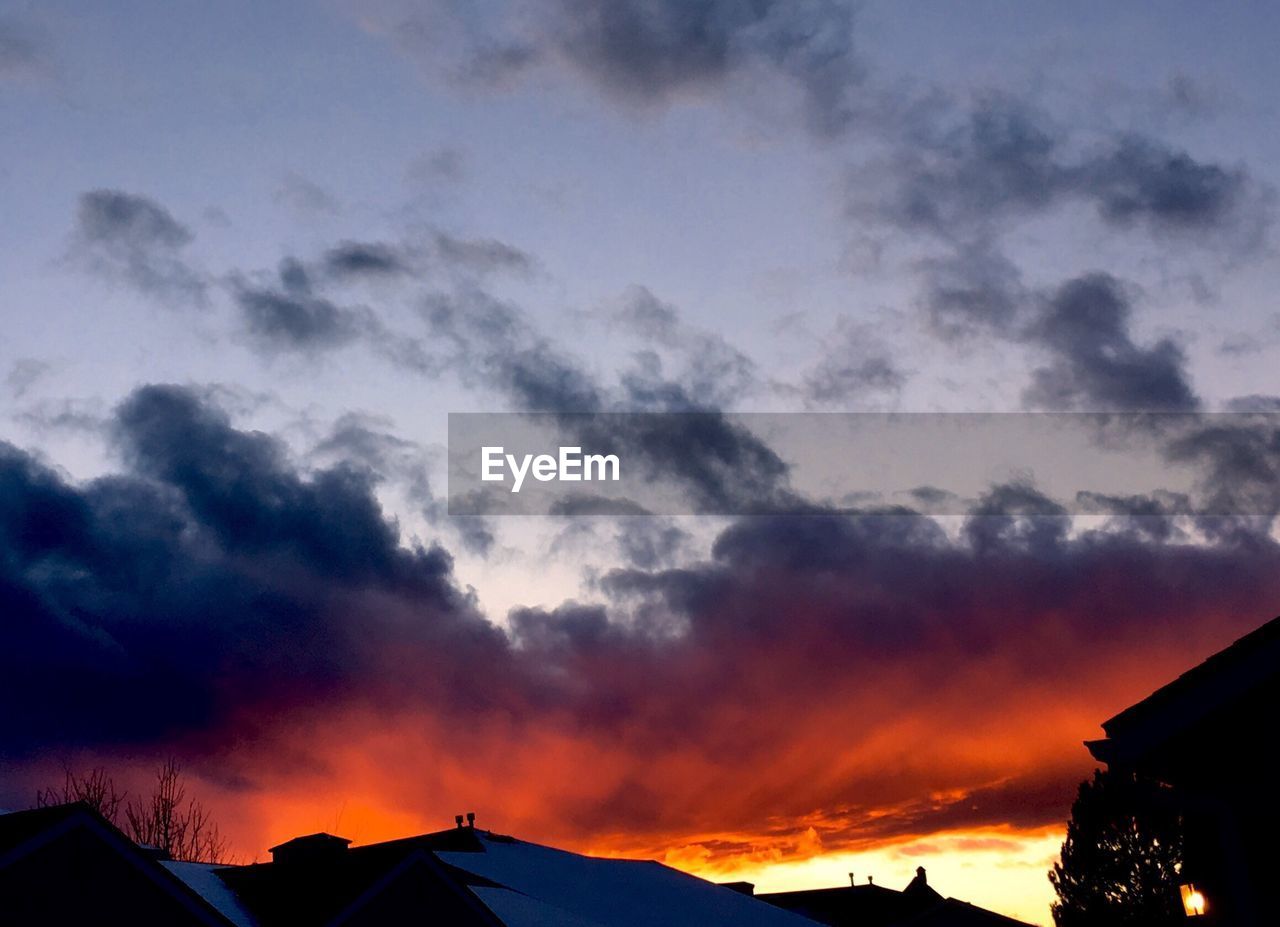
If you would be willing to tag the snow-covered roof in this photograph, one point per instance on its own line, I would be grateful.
(545, 886)
(201, 878)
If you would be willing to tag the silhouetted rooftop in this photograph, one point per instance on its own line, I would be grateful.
(869, 905)
(1215, 694)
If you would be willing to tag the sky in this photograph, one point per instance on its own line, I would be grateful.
(254, 254)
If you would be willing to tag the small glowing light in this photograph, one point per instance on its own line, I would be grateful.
(1192, 900)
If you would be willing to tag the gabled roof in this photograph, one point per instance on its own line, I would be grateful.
(24, 835)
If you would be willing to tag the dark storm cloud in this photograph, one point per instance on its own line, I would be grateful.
(1084, 324)
(212, 594)
(797, 610)
(370, 442)
(960, 171)
(136, 240)
(209, 579)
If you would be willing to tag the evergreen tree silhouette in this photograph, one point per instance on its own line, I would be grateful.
(1122, 857)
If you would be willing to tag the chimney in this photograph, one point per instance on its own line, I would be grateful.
(920, 875)
(852, 881)
(471, 819)
(314, 849)
(457, 819)
(154, 852)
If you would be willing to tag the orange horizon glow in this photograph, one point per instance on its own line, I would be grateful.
(972, 778)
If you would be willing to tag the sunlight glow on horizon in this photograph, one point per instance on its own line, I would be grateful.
(1001, 869)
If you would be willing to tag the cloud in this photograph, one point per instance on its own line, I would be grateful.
(305, 197)
(1096, 365)
(957, 171)
(497, 346)
(649, 543)
(364, 259)
(1237, 457)
(1256, 402)
(709, 372)
(447, 164)
(24, 373)
(131, 238)
(974, 290)
(645, 52)
(1083, 325)
(214, 599)
(481, 255)
(854, 364)
(23, 51)
(720, 465)
(290, 316)
(209, 580)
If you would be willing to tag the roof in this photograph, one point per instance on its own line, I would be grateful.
(543, 885)
(466, 876)
(334, 888)
(869, 905)
(475, 878)
(1247, 673)
(17, 827)
(953, 913)
(203, 879)
(25, 834)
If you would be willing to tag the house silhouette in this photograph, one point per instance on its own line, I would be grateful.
(871, 905)
(67, 865)
(1210, 735)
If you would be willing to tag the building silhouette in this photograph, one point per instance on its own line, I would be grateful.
(1211, 736)
(67, 865)
(871, 905)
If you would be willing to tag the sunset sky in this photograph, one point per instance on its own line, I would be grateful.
(254, 253)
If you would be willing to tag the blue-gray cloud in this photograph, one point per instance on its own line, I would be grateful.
(133, 239)
(957, 172)
(1084, 326)
(650, 52)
